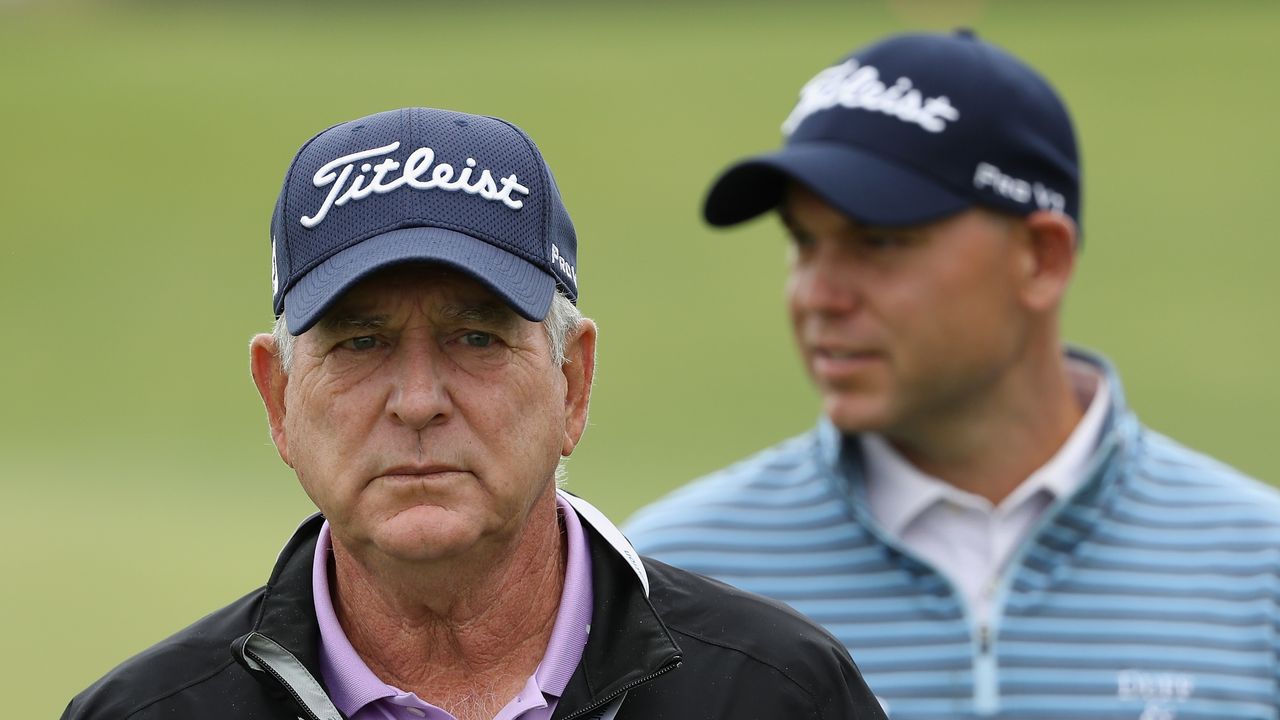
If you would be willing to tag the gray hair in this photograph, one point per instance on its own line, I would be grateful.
(562, 318)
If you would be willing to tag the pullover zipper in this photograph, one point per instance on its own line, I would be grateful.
(986, 694)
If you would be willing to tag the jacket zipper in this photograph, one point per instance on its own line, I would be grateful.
(311, 715)
(620, 691)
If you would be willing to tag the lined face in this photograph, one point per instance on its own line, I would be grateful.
(424, 417)
(898, 326)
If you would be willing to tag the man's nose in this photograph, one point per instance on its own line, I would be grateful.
(420, 395)
(824, 284)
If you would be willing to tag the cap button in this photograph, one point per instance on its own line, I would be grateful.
(966, 33)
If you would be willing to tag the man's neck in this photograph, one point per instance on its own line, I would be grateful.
(466, 635)
(990, 446)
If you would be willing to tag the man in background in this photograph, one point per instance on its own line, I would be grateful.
(427, 371)
(978, 515)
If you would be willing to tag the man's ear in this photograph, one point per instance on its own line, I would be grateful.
(270, 378)
(1050, 258)
(579, 372)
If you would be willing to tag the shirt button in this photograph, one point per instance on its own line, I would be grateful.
(416, 712)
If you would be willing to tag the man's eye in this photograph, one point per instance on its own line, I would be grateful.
(883, 240)
(364, 342)
(478, 339)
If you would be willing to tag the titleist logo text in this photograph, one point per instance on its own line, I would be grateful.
(412, 174)
(859, 86)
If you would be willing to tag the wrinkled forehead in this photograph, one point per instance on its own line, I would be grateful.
(439, 292)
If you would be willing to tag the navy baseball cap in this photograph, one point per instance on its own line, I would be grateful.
(420, 185)
(912, 129)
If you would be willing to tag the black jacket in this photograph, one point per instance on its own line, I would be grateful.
(694, 648)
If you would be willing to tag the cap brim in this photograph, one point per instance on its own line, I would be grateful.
(524, 286)
(860, 184)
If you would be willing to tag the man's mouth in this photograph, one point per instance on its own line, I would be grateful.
(420, 470)
(834, 364)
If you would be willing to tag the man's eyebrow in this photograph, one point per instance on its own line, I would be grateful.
(353, 321)
(481, 312)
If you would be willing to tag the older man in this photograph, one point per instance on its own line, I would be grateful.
(427, 372)
(978, 512)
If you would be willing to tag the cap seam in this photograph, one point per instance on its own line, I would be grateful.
(406, 122)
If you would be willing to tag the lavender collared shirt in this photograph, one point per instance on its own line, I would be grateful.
(360, 695)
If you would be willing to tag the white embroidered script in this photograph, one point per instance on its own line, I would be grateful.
(857, 86)
(566, 267)
(275, 275)
(412, 174)
(988, 176)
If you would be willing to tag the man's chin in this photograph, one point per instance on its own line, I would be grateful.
(855, 414)
(422, 548)
(425, 534)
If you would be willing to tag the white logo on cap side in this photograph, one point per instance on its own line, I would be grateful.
(857, 86)
(988, 176)
(414, 168)
(565, 266)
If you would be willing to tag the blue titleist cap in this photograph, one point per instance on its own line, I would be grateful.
(914, 128)
(416, 185)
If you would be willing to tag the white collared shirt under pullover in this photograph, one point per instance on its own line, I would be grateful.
(962, 534)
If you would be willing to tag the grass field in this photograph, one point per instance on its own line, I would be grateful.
(145, 143)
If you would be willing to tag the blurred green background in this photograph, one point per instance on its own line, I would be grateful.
(144, 145)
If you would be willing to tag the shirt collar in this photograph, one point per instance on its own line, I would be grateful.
(898, 492)
(573, 619)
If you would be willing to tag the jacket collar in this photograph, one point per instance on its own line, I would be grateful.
(628, 643)
(288, 611)
(282, 651)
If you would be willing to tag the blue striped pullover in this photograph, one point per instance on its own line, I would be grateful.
(1150, 593)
